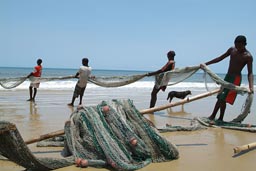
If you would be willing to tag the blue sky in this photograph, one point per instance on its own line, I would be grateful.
(128, 35)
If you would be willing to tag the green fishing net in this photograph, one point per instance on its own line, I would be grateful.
(115, 134)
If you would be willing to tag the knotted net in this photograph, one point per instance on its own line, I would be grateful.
(115, 134)
(164, 79)
(9, 83)
(116, 81)
(177, 75)
(103, 81)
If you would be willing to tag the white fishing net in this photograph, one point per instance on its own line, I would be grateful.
(164, 79)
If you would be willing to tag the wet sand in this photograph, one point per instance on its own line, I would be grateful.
(210, 149)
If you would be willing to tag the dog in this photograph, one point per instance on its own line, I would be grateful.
(178, 94)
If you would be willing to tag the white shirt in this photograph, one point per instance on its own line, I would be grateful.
(84, 73)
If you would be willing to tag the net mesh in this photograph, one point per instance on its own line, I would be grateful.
(116, 134)
(164, 79)
(178, 75)
(9, 83)
(175, 76)
(116, 81)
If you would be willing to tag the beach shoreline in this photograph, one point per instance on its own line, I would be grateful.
(210, 149)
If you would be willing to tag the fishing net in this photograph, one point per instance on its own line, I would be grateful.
(164, 79)
(115, 81)
(174, 76)
(9, 83)
(13, 147)
(103, 81)
(246, 108)
(57, 141)
(194, 126)
(115, 134)
(177, 75)
(227, 125)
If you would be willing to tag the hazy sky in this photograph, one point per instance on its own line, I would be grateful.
(119, 34)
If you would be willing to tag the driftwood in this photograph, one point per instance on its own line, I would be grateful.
(144, 111)
(243, 148)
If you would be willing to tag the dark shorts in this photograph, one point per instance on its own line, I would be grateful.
(228, 95)
(163, 88)
(79, 91)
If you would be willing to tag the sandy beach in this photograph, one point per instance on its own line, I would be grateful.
(209, 149)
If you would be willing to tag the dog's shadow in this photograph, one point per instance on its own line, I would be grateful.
(180, 112)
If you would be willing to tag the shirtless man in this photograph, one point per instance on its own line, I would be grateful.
(239, 58)
(167, 67)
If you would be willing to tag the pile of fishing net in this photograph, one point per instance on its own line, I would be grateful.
(115, 134)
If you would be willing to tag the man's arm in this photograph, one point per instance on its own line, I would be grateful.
(163, 69)
(30, 74)
(250, 74)
(154, 73)
(220, 58)
(76, 76)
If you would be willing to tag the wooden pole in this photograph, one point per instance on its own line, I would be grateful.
(46, 136)
(186, 100)
(144, 111)
(242, 148)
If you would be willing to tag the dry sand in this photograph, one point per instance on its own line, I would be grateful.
(210, 149)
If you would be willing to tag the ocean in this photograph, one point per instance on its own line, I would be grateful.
(58, 93)
(195, 82)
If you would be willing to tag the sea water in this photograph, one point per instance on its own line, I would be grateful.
(138, 91)
(195, 82)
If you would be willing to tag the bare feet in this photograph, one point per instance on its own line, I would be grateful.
(70, 104)
(211, 118)
(32, 100)
(220, 120)
(212, 122)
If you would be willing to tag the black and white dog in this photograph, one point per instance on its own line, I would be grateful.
(178, 94)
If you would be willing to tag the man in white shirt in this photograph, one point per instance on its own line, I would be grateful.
(83, 75)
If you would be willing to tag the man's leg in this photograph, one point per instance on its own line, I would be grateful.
(215, 110)
(81, 95)
(222, 110)
(34, 95)
(30, 93)
(153, 97)
(81, 99)
(72, 102)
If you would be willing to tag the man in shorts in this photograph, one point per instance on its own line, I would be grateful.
(167, 67)
(35, 80)
(83, 75)
(239, 58)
